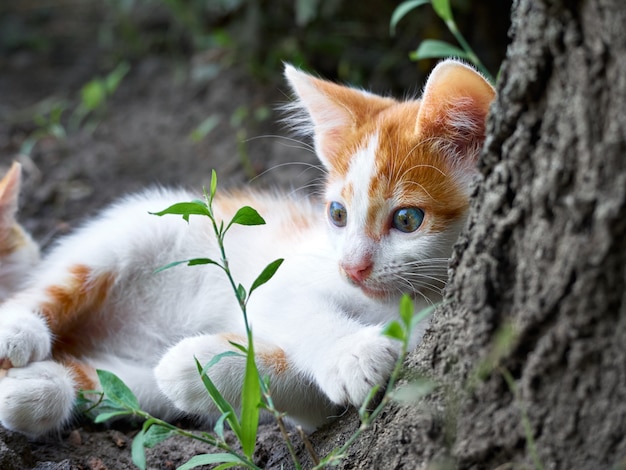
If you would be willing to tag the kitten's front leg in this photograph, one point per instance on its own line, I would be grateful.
(24, 335)
(292, 391)
(349, 368)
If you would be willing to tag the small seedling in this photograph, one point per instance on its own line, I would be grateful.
(433, 48)
(116, 399)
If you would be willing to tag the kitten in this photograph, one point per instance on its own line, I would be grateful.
(395, 200)
(18, 252)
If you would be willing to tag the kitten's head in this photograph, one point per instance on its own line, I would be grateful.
(398, 173)
(18, 252)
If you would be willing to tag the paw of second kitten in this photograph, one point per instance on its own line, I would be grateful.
(37, 398)
(24, 338)
(360, 361)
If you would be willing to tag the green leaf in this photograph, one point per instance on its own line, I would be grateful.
(401, 11)
(422, 315)
(102, 417)
(394, 330)
(219, 426)
(217, 358)
(266, 275)
(241, 293)
(199, 261)
(93, 94)
(155, 434)
(443, 10)
(188, 262)
(220, 401)
(204, 128)
(241, 347)
(185, 209)
(306, 11)
(138, 452)
(226, 465)
(207, 459)
(213, 186)
(250, 401)
(406, 310)
(247, 216)
(413, 391)
(113, 79)
(116, 390)
(432, 48)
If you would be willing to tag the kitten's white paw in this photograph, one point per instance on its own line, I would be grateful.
(37, 398)
(24, 336)
(360, 361)
(178, 378)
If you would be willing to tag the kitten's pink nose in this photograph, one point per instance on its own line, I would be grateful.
(358, 272)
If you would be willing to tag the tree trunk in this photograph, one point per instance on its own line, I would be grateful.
(530, 349)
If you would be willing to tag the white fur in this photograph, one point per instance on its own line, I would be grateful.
(167, 318)
(322, 331)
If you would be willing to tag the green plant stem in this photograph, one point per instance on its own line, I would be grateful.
(220, 242)
(530, 440)
(278, 416)
(451, 24)
(205, 438)
(370, 418)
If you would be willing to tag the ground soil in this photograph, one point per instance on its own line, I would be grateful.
(141, 139)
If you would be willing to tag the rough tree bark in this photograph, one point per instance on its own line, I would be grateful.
(544, 258)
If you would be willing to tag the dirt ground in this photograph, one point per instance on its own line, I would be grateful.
(142, 139)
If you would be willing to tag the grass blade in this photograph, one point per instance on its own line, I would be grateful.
(250, 401)
(207, 459)
(443, 10)
(402, 10)
(434, 49)
(220, 401)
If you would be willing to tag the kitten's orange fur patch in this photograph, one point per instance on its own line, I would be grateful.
(274, 359)
(80, 294)
(408, 169)
(228, 203)
(84, 375)
(269, 356)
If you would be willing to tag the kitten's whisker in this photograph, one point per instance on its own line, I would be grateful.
(309, 166)
(318, 193)
(301, 144)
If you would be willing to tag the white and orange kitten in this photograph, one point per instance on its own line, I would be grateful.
(396, 197)
(18, 252)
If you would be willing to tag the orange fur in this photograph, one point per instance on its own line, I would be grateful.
(68, 302)
(292, 214)
(274, 359)
(84, 375)
(271, 357)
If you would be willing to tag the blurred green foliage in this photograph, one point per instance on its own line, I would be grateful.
(340, 39)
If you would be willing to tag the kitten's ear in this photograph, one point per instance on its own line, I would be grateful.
(9, 191)
(332, 111)
(454, 109)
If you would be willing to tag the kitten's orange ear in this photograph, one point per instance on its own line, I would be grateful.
(9, 191)
(454, 108)
(331, 111)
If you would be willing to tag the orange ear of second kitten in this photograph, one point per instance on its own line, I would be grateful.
(18, 252)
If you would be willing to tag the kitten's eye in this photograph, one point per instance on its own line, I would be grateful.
(337, 213)
(408, 219)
